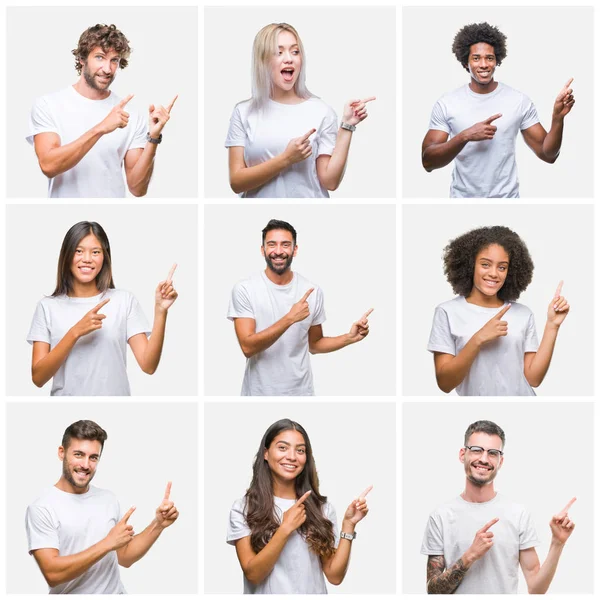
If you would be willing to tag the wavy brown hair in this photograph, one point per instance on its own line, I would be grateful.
(64, 277)
(260, 505)
(107, 37)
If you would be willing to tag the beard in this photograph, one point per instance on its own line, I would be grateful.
(280, 269)
(483, 480)
(77, 484)
(90, 79)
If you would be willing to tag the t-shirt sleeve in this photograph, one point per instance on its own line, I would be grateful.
(440, 338)
(237, 527)
(329, 512)
(236, 136)
(42, 530)
(438, 118)
(531, 338)
(139, 136)
(433, 539)
(40, 119)
(136, 320)
(318, 316)
(40, 327)
(240, 306)
(527, 534)
(530, 115)
(327, 135)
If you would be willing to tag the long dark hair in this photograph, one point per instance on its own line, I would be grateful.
(317, 530)
(64, 277)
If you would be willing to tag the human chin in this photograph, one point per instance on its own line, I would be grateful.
(482, 78)
(97, 81)
(281, 266)
(77, 480)
(479, 476)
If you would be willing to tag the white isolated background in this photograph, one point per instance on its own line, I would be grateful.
(560, 241)
(349, 251)
(546, 46)
(354, 445)
(145, 242)
(350, 53)
(548, 460)
(163, 63)
(148, 445)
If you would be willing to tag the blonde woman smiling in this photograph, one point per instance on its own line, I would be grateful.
(284, 142)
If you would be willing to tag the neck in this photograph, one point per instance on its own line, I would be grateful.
(84, 290)
(64, 486)
(285, 96)
(82, 87)
(284, 489)
(483, 88)
(277, 279)
(478, 493)
(479, 299)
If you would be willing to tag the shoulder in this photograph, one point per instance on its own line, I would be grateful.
(329, 511)
(304, 282)
(53, 98)
(245, 285)
(450, 306)
(320, 106)
(242, 108)
(44, 499)
(449, 97)
(520, 309)
(506, 90)
(49, 301)
(239, 507)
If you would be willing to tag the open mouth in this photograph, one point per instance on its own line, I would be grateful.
(490, 283)
(288, 74)
(289, 468)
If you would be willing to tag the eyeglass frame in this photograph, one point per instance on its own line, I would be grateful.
(488, 450)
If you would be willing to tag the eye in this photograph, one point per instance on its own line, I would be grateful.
(301, 451)
(493, 453)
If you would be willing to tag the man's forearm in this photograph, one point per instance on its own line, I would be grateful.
(436, 156)
(540, 582)
(139, 177)
(445, 582)
(330, 344)
(337, 163)
(260, 341)
(553, 140)
(139, 545)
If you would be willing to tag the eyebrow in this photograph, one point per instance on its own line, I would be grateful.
(288, 444)
(292, 46)
(501, 262)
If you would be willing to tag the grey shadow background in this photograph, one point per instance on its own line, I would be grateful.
(546, 46)
(341, 63)
(354, 445)
(161, 65)
(348, 251)
(145, 242)
(548, 460)
(560, 239)
(144, 450)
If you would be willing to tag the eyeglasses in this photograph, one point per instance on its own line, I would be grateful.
(478, 451)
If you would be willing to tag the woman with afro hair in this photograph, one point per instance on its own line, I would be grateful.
(484, 342)
(476, 125)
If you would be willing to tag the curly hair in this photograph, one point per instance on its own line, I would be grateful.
(107, 37)
(460, 254)
(476, 33)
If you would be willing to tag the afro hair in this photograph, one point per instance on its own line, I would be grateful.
(476, 33)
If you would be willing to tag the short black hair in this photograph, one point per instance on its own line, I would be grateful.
(488, 427)
(84, 430)
(476, 33)
(460, 254)
(277, 224)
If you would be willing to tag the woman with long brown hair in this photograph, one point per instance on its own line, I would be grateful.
(284, 530)
(81, 348)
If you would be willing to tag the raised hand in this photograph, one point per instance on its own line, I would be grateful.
(360, 329)
(165, 293)
(483, 541)
(159, 115)
(355, 111)
(494, 328)
(117, 117)
(482, 131)
(564, 101)
(558, 309)
(166, 513)
(357, 510)
(299, 149)
(561, 525)
(300, 310)
(294, 516)
(91, 321)
(122, 533)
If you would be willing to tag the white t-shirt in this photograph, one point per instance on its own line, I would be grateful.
(498, 369)
(283, 369)
(97, 364)
(72, 523)
(485, 169)
(452, 527)
(99, 174)
(267, 135)
(298, 569)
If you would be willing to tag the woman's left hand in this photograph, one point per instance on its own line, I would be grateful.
(165, 293)
(358, 510)
(559, 308)
(355, 111)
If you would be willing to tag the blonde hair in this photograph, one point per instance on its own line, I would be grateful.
(263, 49)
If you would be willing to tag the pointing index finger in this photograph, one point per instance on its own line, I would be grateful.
(568, 506)
(488, 525)
(172, 103)
(99, 306)
(303, 497)
(367, 313)
(558, 289)
(502, 312)
(127, 514)
(568, 84)
(369, 99)
(168, 491)
(492, 118)
(170, 275)
(308, 293)
(366, 491)
(125, 100)
(307, 135)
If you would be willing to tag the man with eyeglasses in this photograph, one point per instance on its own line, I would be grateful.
(475, 542)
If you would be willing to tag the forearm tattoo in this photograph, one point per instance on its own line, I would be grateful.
(441, 580)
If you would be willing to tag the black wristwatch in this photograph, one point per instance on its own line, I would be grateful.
(152, 140)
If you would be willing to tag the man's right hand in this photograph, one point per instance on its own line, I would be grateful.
(294, 516)
(300, 310)
(482, 131)
(299, 149)
(482, 542)
(91, 321)
(122, 533)
(117, 117)
(494, 328)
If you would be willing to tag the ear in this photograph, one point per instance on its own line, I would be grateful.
(265, 454)
(61, 453)
(262, 250)
(295, 250)
(461, 455)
